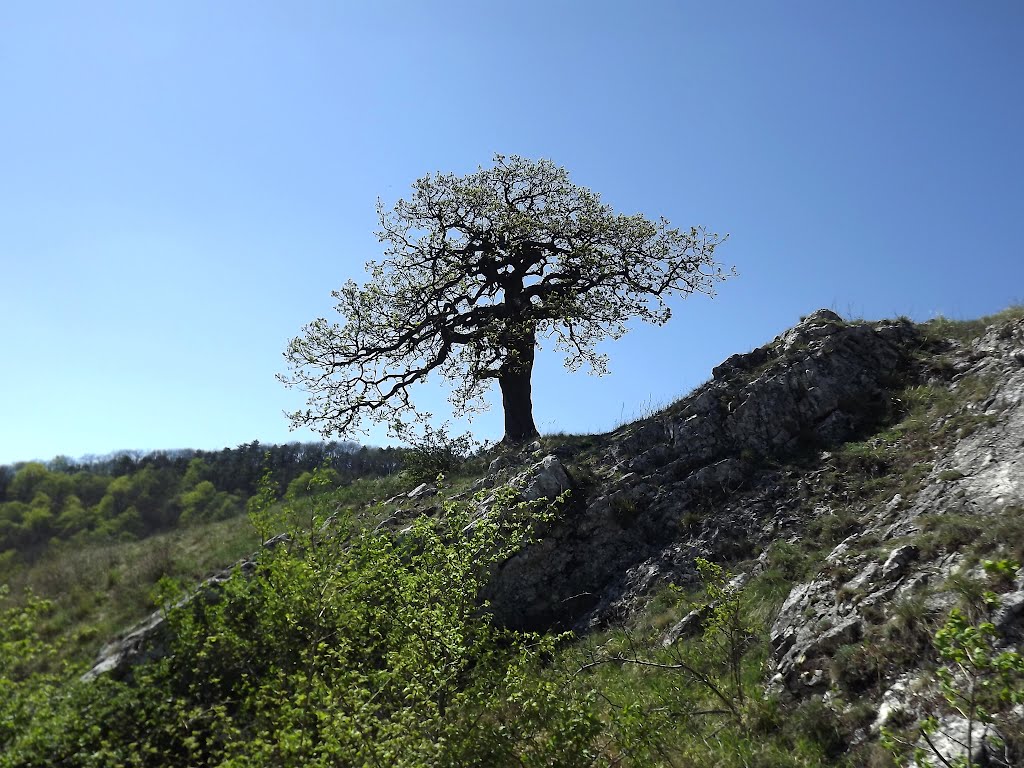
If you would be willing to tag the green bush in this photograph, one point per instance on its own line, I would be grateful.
(30, 674)
(345, 646)
(434, 452)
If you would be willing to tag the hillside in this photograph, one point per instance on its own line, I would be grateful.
(802, 562)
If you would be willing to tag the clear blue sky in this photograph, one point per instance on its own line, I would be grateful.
(183, 183)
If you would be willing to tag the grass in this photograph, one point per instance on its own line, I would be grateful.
(656, 714)
(967, 331)
(567, 440)
(100, 589)
(645, 410)
(976, 536)
(899, 457)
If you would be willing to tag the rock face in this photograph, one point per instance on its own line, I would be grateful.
(670, 484)
(149, 639)
(142, 642)
(697, 479)
(980, 477)
(949, 743)
(545, 480)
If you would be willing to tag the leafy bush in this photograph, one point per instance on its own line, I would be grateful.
(30, 674)
(343, 646)
(434, 452)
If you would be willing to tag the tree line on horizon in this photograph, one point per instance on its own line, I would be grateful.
(131, 494)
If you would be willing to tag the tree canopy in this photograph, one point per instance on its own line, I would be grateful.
(477, 270)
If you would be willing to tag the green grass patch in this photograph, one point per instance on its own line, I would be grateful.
(967, 331)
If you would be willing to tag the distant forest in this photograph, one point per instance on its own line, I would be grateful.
(132, 494)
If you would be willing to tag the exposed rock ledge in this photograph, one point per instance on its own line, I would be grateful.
(672, 481)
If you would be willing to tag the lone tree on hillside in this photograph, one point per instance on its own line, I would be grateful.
(477, 269)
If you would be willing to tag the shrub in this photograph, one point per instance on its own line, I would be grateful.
(345, 646)
(434, 452)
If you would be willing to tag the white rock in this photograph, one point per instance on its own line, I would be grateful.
(422, 491)
(894, 702)
(949, 742)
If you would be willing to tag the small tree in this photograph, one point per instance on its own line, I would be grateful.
(477, 270)
(434, 452)
(976, 679)
(29, 676)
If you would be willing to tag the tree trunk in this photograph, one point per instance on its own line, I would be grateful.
(516, 397)
(517, 390)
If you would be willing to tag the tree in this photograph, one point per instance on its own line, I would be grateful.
(476, 270)
(978, 677)
(28, 684)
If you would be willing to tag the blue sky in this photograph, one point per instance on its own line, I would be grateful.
(183, 183)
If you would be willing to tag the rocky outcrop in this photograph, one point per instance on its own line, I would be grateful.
(698, 479)
(981, 475)
(882, 573)
(948, 745)
(691, 480)
(150, 639)
(547, 479)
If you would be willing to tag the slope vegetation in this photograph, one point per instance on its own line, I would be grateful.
(811, 560)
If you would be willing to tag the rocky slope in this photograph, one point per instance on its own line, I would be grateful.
(877, 462)
(701, 477)
(906, 446)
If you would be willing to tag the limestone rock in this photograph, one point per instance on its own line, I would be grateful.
(897, 561)
(147, 640)
(690, 624)
(546, 479)
(895, 702)
(816, 325)
(1009, 617)
(498, 464)
(692, 456)
(422, 491)
(949, 742)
